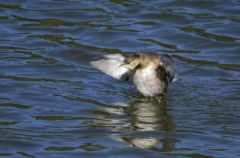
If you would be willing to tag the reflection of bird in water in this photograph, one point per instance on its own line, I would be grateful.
(147, 117)
(151, 116)
(150, 72)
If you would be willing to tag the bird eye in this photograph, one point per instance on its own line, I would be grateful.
(127, 61)
(130, 58)
(136, 55)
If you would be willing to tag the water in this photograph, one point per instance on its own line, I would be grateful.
(54, 104)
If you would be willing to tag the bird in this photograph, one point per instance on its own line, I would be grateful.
(150, 72)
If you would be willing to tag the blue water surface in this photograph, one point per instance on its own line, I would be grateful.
(53, 104)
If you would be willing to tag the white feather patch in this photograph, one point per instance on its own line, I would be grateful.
(110, 65)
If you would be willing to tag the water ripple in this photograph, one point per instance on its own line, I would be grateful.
(203, 33)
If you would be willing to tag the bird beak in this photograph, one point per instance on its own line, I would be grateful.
(122, 65)
(126, 66)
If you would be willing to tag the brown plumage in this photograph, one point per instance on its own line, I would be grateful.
(149, 72)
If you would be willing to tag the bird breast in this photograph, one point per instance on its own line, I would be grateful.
(147, 82)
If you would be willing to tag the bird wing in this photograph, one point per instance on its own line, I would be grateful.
(110, 64)
(170, 68)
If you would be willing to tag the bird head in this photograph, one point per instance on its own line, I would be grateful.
(131, 62)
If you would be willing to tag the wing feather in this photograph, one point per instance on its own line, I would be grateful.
(170, 68)
(110, 65)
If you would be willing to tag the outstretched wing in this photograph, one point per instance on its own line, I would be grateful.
(110, 64)
(170, 68)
